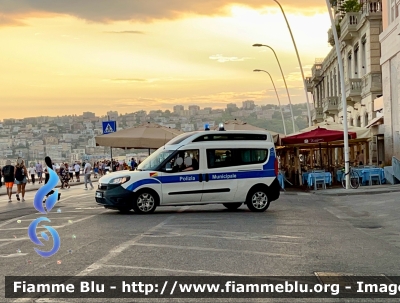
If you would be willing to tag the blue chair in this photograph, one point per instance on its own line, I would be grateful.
(374, 173)
(319, 179)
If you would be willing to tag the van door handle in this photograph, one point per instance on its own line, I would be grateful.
(206, 175)
(200, 177)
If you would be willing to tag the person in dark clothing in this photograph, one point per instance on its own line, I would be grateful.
(8, 174)
(47, 178)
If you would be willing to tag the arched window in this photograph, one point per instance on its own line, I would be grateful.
(351, 122)
(366, 119)
(359, 121)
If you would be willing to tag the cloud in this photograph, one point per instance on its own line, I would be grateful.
(150, 80)
(222, 59)
(106, 11)
(9, 21)
(125, 32)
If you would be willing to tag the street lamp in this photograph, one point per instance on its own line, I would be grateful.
(284, 80)
(277, 96)
(301, 66)
(344, 102)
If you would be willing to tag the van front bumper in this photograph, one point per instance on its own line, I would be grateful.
(114, 196)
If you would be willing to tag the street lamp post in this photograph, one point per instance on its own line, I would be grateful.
(344, 102)
(284, 80)
(277, 96)
(301, 66)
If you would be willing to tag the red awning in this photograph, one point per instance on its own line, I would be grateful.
(318, 135)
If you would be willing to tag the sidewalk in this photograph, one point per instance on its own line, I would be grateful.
(362, 190)
(30, 187)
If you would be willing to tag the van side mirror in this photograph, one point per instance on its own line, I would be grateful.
(168, 167)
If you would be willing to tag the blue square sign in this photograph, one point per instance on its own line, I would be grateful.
(109, 127)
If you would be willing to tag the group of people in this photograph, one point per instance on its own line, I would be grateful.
(20, 175)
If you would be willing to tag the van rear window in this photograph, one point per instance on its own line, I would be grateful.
(217, 158)
(231, 137)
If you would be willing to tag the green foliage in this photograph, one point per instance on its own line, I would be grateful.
(351, 6)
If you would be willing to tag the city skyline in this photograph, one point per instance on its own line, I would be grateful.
(91, 60)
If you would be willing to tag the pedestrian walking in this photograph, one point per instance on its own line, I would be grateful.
(77, 169)
(39, 171)
(8, 174)
(71, 173)
(32, 173)
(87, 171)
(21, 178)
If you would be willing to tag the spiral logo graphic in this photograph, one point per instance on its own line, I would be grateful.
(38, 204)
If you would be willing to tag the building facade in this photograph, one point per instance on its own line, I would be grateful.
(358, 31)
(390, 61)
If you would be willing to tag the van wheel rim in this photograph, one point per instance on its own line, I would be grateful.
(259, 200)
(145, 202)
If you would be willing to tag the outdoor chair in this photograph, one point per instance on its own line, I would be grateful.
(375, 173)
(319, 179)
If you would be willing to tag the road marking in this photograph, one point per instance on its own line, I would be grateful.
(117, 250)
(13, 255)
(232, 233)
(176, 270)
(183, 209)
(216, 250)
(242, 239)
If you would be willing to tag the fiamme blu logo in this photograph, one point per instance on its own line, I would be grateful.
(45, 208)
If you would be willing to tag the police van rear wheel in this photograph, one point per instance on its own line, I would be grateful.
(145, 202)
(257, 200)
(232, 206)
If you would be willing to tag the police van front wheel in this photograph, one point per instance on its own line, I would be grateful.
(145, 202)
(257, 200)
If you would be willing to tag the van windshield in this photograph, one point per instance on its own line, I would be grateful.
(155, 159)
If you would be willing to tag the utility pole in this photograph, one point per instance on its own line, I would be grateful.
(110, 146)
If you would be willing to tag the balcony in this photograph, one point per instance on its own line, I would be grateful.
(330, 105)
(353, 91)
(371, 83)
(309, 84)
(348, 26)
(318, 115)
(316, 72)
(372, 9)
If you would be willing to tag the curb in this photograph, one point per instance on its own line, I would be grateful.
(356, 193)
(35, 189)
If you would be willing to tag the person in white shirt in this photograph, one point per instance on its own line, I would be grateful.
(71, 172)
(77, 168)
(87, 171)
(32, 172)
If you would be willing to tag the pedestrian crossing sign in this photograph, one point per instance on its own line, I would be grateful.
(109, 127)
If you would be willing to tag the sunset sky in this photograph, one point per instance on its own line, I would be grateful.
(70, 56)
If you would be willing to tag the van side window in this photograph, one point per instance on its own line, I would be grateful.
(184, 160)
(217, 158)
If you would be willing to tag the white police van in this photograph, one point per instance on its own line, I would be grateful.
(197, 168)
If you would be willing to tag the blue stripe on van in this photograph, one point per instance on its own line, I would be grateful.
(136, 184)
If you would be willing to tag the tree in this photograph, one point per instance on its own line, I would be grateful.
(351, 6)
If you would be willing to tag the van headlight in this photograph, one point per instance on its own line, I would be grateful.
(120, 180)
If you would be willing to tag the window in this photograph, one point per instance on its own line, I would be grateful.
(358, 121)
(153, 161)
(349, 75)
(356, 61)
(217, 158)
(183, 160)
(351, 122)
(180, 138)
(366, 119)
(335, 90)
(363, 56)
(233, 137)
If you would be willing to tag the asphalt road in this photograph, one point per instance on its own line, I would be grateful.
(300, 235)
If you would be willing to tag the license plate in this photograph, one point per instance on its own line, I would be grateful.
(99, 195)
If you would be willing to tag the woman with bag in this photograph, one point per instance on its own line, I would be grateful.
(21, 178)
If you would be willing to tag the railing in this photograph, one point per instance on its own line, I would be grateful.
(372, 6)
(354, 86)
(317, 113)
(330, 104)
(349, 24)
